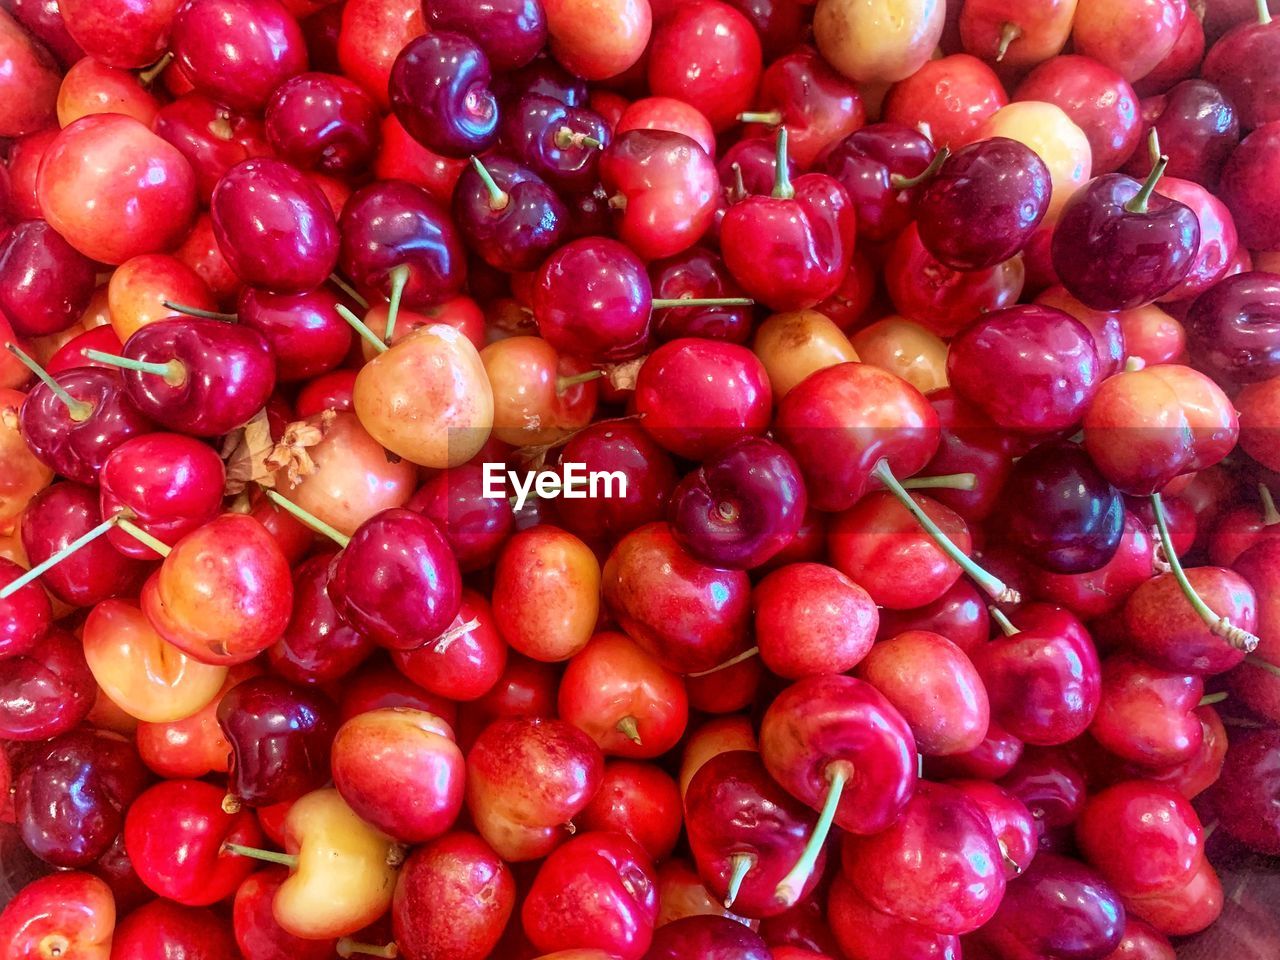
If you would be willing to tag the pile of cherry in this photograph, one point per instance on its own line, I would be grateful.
(923, 595)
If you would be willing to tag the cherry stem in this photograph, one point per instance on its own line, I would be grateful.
(791, 886)
(346, 947)
(1009, 32)
(360, 327)
(565, 383)
(769, 117)
(1264, 12)
(78, 410)
(731, 662)
(499, 199)
(782, 188)
(993, 585)
(349, 290)
(1270, 515)
(666, 303)
(1252, 659)
(173, 372)
(1219, 626)
(1210, 699)
(739, 187)
(399, 277)
(742, 864)
(256, 853)
(628, 728)
(1142, 199)
(147, 77)
(899, 182)
(306, 517)
(200, 312)
(13, 586)
(948, 481)
(133, 530)
(566, 138)
(1004, 623)
(441, 643)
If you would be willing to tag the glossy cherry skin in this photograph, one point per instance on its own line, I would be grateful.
(597, 890)
(258, 934)
(475, 526)
(45, 283)
(1233, 329)
(260, 45)
(1198, 129)
(1015, 830)
(113, 189)
(984, 204)
(1244, 797)
(1034, 347)
(1164, 629)
(1142, 837)
(212, 138)
(1104, 590)
(25, 615)
(274, 226)
(639, 800)
(593, 299)
(699, 617)
(452, 899)
(72, 913)
(223, 374)
(670, 187)
(174, 833)
(698, 272)
(865, 163)
(393, 223)
(832, 718)
(319, 121)
(1242, 65)
(938, 865)
(1219, 240)
(396, 581)
(511, 32)
(304, 330)
(1096, 232)
(1058, 908)
(31, 81)
(46, 692)
(186, 933)
(517, 232)
(317, 646)
(77, 449)
(440, 92)
(56, 517)
(952, 121)
(735, 810)
(223, 594)
(863, 931)
(532, 131)
(811, 619)
(1251, 169)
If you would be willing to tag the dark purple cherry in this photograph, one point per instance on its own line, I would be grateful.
(1119, 245)
(196, 376)
(593, 299)
(511, 32)
(76, 438)
(440, 94)
(543, 77)
(280, 735)
(25, 614)
(508, 216)
(740, 508)
(318, 646)
(304, 330)
(476, 526)
(274, 226)
(46, 692)
(707, 937)
(1233, 329)
(45, 284)
(320, 121)
(984, 204)
(395, 234)
(1062, 514)
(559, 142)
(58, 516)
(237, 51)
(877, 166)
(701, 273)
(397, 581)
(1245, 64)
(1198, 128)
(71, 798)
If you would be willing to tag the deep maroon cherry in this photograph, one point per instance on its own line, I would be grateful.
(25, 615)
(559, 142)
(318, 646)
(1062, 513)
(280, 735)
(1245, 797)
(511, 32)
(212, 137)
(319, 121)
(542, 77)
(1233, 329)
(476, 526)
(707, 937)
(508, 216)
(1243, 64)
(440, 94)
(1198, 128)
(875, 165)
(196, 376)
(984, 203)
(593, 299)
(701, 273)
(45, 284)
(76, 439)
(397, 581)
(306, 333)
(274, 226)
(46, 692)
(740, 508)
(395, 234)
(44, 20)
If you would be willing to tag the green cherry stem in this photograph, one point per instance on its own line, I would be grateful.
(147, 77)
(1009, 32)
(741, 865)
(399, 277)
(899, 182)
(256, 853)
(791, 886)
(666, 303)
(731, 662)
(346, 947)
(948, 481)
(499, 199)
(360, 327)
(782, 188)
(199, 312)
(1218, 626)
(349, 290)
(1004, 623)
(1264, 12)
(78, 410)
(1253, 660)
(628, 727)
(566, 383)
(1142, 199)
(46, 565)
(173, 372)
(1270, 515)
(1210, 699)
(307, 518)
(768, 117)
(565, 139)
(146, 539)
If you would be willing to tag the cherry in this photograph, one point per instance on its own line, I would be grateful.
(26, 613)
(706, 53)
(47, 284)
(675, 116)
(698, 273)
(453, 898)
(1244, 188)
(476, 526)
(1198, 127)
(304, 330)
(960, 615)
(1016, 37)
(1142, 837)
(596, 42)
(863, 931)
(746, 833)
(1244, 796)
(30, 83)
(511, 32)
(697, 620)
(1240, 64)
(1051, 784)
(212, 138)
(507, 214)
(439, 89)
(597, 890)
(844, 31)
(259, 47)
(641, 801)
(558, 141)
(1014, 828)
(378, 684)
(709, 937)
(951, 121)
(878, 166)
(998, 753)
(1234, 328)
(1216, 254)
(1172, 619)
(795, 344)
(187, 933)
(319, 121)
(68, 915)
(257, 933)
(1108, 328)
(45, 22)
(46, 692)
(1104, 590)
(1146, 714)
(370, 37)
